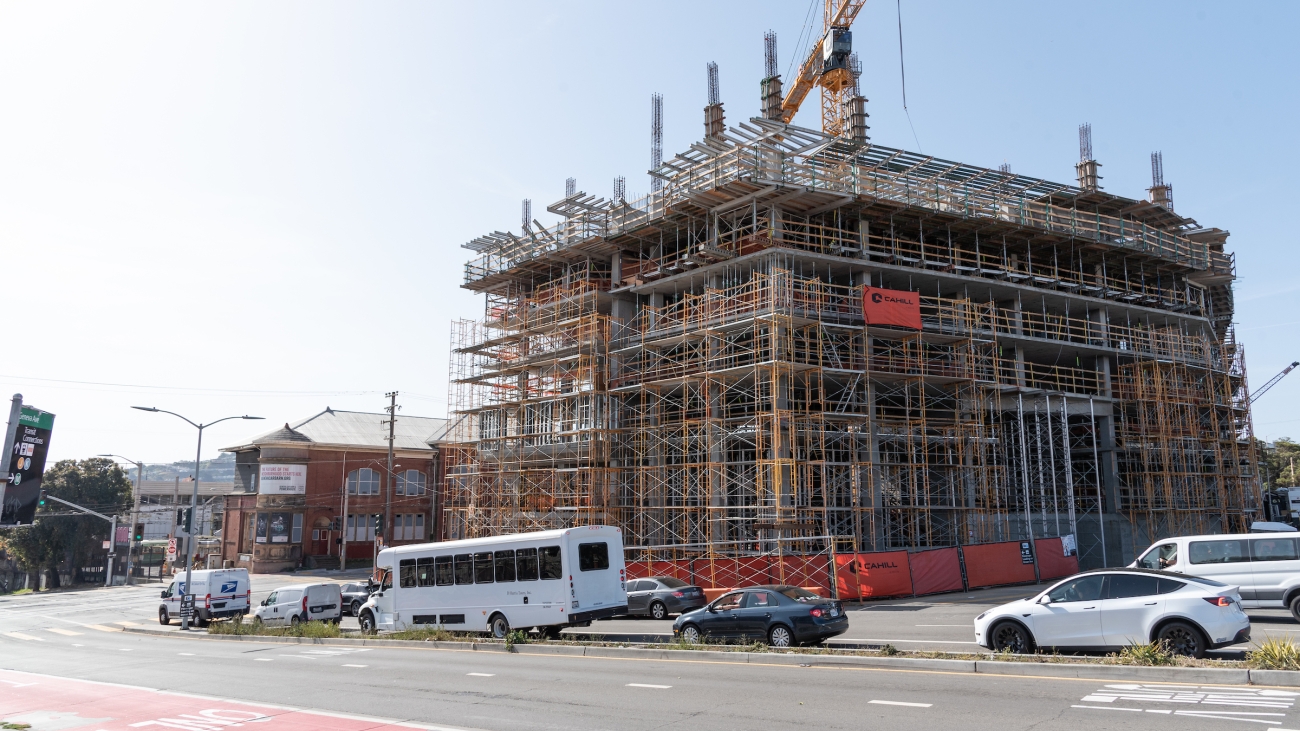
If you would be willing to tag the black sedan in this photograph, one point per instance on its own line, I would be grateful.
(354, 595)
(781, 616)
(660, 596)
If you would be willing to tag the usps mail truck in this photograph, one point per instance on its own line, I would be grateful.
(548, 580)
(218, 593)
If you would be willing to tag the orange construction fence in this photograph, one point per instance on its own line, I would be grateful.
(875, 575)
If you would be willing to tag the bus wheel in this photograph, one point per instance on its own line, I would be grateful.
(499, 626)
(367, 623)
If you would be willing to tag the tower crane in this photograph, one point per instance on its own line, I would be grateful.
(1273, 381)
(828, 66)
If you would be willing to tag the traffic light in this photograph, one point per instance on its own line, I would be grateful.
(180, 517)
(185, 518)
(379, 524)
(41, 504)
(139, 531)
(189, 520)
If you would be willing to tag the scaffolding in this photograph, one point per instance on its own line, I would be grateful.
(695, 367)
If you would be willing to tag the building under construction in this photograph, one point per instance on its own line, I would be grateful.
(696, 367)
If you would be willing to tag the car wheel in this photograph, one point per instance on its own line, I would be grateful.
(658, 610)
(780, 636)
(367, 622)
(163, 617)
(1180, 638)
(499, 626)
(294, 621)
(257, 622)
(691, 634)
(1295, 607)
(1010, 637)
(200, 620)
(355, 608)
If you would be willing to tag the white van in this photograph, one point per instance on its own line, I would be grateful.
(549, 580)
(217, 593)
(1266, 566)
(290, 605)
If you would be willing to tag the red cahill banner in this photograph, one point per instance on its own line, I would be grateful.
(891, 307)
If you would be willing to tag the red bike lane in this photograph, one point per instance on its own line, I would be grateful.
(48, 702)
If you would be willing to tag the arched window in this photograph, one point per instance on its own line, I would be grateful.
(410, 482)
(364, 481)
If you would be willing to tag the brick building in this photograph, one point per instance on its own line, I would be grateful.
(310, 490)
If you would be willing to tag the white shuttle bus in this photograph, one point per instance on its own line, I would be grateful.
(548, 580)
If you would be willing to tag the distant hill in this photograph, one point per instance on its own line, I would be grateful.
(221, 469)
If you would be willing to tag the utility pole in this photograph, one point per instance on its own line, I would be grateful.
(135, 511)
(388, 494)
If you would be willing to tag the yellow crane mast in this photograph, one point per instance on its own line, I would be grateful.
(828, 66)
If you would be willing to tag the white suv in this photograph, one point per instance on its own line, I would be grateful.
(1111, 608)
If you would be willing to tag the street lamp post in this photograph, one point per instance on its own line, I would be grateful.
(135, 511)
(194, 504)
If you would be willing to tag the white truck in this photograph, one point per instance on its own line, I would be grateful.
(548, 580)
(218, 593)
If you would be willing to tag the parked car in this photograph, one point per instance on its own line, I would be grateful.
(1264, 566)
(218, 593)
(781, 616)
(354, 595)
(660, 596)
(1111, 608)
(300, 603)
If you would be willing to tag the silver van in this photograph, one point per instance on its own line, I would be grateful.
(289, 605)
(1265, 565)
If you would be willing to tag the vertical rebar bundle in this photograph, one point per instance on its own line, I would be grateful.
(656, 139)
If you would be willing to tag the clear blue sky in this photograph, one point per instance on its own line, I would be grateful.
(268, 199)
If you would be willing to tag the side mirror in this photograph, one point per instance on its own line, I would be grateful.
(163, 594)
(712, 608)
(1044, 599)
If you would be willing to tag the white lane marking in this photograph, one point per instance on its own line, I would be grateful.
(61, 631)
(482, 675)
(902, 703)
(23, 636)
(1109, 708)
(185, 654)
(943, 625)
(263, 659)
(126, 624)
(647, 685)
(124, 649)
(355, 666)
(102, 628)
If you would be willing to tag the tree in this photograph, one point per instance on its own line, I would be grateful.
(55, 540)
(1281, 462)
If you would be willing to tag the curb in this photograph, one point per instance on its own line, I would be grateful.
(1212, 676)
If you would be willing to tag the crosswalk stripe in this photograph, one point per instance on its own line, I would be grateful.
(61, 631)
(102, 628)
(21, 636)
(137, 624)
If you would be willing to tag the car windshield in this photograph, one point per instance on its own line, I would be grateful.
(671, 583)
(799, 595)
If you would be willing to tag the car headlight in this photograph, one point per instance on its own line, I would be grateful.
(982, 616)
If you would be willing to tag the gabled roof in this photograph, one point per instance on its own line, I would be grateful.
(350, 429)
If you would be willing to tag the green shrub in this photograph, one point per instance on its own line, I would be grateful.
(516, 637)
(1150, 653)
(1275, 654)
(303, 629)
(888, 649)
(431, 634)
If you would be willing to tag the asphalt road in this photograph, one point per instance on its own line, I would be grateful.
(77, 635)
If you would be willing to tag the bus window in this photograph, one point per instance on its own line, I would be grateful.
(424, 571)
(550, 562)
(442, 570)
(505, 561)
(407, 573)
(483, 570)
(526, 564)
(593, 556)
(464, 569)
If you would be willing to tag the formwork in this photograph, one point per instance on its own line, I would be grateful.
(694, 366)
